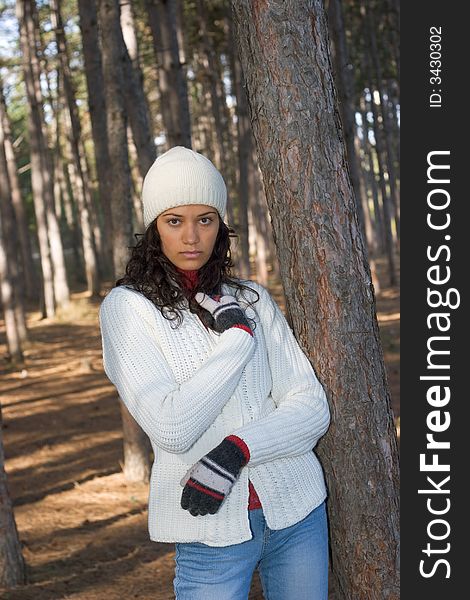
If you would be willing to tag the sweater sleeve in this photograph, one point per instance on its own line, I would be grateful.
(173, 415)
(301, 415)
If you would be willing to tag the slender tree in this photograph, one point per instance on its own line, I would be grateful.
(30, 278)
(12, 290)
(370, 27)
(78, 163)
(245, 151)
(386, 203)
(61, 287)
(136, 444)
(136, 102)
(37, 149)
(330, 300)
(97, 110)
(137, 110)
(174, 106)
(369, 175)
(344, 83)
(211, 78)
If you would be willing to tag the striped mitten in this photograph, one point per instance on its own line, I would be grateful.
(209, 481)
(225, 311)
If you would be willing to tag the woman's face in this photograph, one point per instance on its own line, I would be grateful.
(188, 234)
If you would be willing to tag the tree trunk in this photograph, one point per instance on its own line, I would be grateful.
(12, 567)
(23, 13)
(30, 278)
(12, 290)
(172, 35)
(259, 241)
(266, 221)
(126, 9)
(393, 28)
(61, 288)
(370, 240)
(135, 71)
(138, 215)
(370, 29)
(137, 110)
(97, 110)
(345, 81)
(65, 185)
(136, 444)
(326, 278)
(244, 152)
(183, 49)
(258, 199)
(345, 85)
(386, 216)
(368, 170)
(62, 187)
(210, 77)
(174, 104)
(229, 128)
(83, 196)
(136, 102)
(7, 303)
(393, 91)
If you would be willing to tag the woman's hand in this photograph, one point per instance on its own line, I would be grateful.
(209, 481)
(225, 310)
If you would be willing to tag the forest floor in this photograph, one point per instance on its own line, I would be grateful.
(82, 527)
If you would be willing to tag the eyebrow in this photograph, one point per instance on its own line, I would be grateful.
(210, 212)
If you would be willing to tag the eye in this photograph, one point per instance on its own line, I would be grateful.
(170, 221)
(208, 219)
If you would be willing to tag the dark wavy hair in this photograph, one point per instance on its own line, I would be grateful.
(152, 274)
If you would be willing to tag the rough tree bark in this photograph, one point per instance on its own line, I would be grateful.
(330, 299)
(136, 444)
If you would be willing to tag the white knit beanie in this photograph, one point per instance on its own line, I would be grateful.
(181, 176)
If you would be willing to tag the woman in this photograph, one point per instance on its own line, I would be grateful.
(209, 368)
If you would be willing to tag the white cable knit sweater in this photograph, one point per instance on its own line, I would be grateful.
(188, 388)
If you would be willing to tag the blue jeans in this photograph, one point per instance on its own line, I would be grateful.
(292, 563)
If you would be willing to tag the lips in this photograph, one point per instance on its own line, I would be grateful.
(191, 254)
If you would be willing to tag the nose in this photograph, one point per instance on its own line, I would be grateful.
(190, 234)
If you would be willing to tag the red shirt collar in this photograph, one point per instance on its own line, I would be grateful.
(190, 278)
